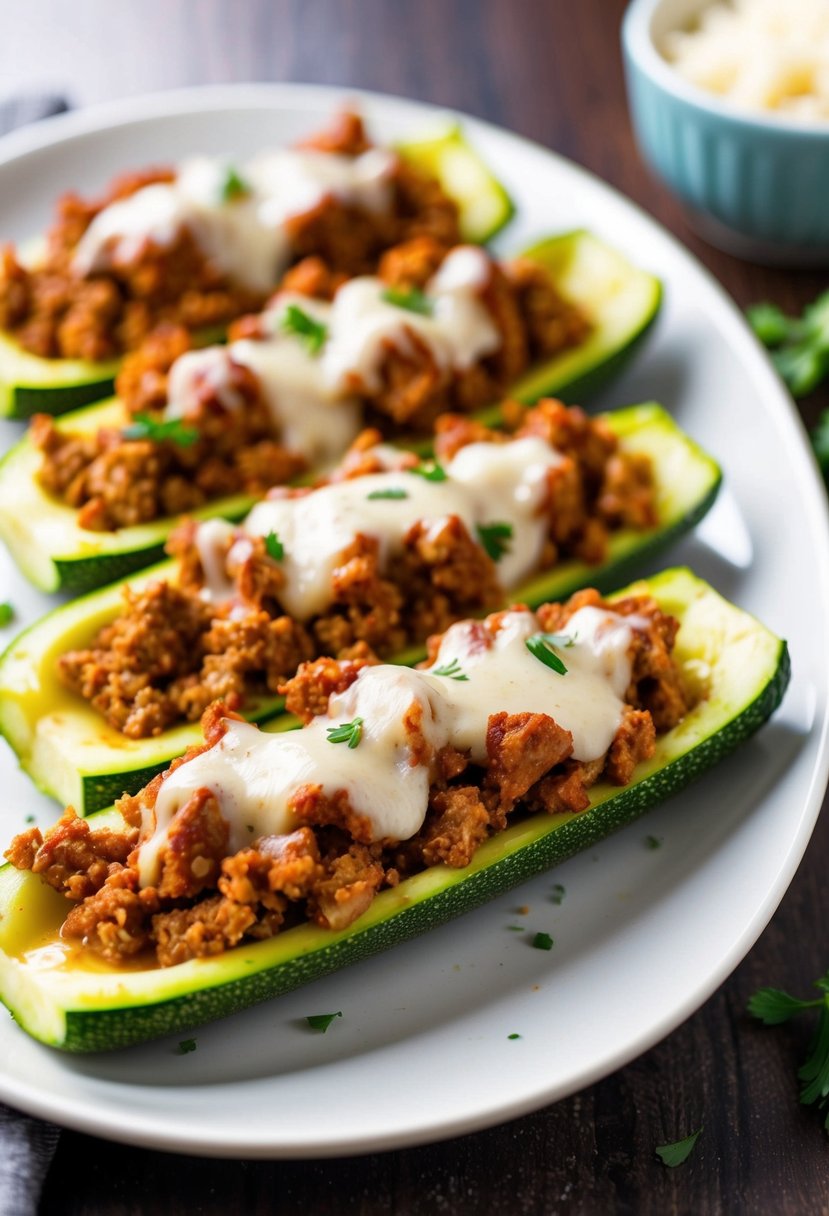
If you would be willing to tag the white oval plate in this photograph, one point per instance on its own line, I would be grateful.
(643, 935)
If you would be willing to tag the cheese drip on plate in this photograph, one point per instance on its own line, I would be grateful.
(485, 483)
(243, 231)
(312, 394)
(255, 775)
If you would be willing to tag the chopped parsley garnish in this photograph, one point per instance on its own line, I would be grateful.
(410, 298)
(321, 1021)
(557, 894)
(174, 430)
(430, 469)
(274, 547)
(495, 538)
(513, 1036)
(540, 646)
(6, 614)
(30, 818)
(185, 1046)
(234, 186)
(674, 1154)
(653, 842)
(543, 941)
(452, 670)
(297, 322)
(393, 492)
(516, 928)
(772, 1006)
(349, 732)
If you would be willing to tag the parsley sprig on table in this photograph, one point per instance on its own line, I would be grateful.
(773, 1006)
(799, 345)
(674, 1154)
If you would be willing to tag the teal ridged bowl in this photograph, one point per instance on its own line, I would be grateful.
(754, 185)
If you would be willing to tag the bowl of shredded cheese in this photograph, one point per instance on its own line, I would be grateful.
(730, 106)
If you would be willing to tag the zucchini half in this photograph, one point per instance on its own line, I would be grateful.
(742, 671)
(72, 753)
(30, 384)
(42, 533)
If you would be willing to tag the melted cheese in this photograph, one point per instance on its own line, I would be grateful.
(246, 237)
(486, 483)
(254, 775)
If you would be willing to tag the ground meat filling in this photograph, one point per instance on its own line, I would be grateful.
(54, 313)
(170, 652)
(116, 480)
(205, 900)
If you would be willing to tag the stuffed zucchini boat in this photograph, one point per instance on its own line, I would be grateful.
(69, 505)
(95, 698)
(204, 242)
(310, 865)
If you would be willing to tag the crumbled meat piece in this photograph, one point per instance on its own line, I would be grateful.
(274, 867)
(635, 740)
(348, 891)
(114, 922)
(209, 927)
(457, 823)
(73, 858)
(520, 748)
(196, 844)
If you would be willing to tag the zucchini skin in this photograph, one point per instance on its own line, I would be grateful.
(83, 1021)
(56, 555)
(33, 385)
(49, 729)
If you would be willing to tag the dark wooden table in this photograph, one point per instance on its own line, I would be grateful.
(550, 70)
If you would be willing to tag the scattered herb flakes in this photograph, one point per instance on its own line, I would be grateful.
(451, 670)
(300, 324)
(653, 842)
(543, 941)
(495, 538)
(557, 894)
(540, 647)
(30, 818)
(234, 186)
(250, 827)
(321, 1021)
(6, 614)
(773, 1006)
(185, 1047)
(674, 1154)
(274, 547)
(430, 469)
(173, 430)
(394, 492)
(412, 300)
(348, 732)
(516, 928)
(513, 1036)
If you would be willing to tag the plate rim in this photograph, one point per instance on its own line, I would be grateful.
(138, 1131)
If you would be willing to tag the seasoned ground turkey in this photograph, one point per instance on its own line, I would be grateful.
(52, 312)
(205, 901)
(115, 480)
(170, 653)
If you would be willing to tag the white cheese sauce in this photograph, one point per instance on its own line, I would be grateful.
(254, 775)
(485, 483)
(247, 236)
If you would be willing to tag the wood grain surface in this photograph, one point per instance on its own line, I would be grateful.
(550, 70)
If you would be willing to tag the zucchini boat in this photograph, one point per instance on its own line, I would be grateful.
(71, 753)
(30, 384)
(54, 553)
(740, 670)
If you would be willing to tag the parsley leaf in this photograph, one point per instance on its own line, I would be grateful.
(557, 894)
(349, 732)
(773, 1006)
(430, 469)
(185, 1046)
(300, 324)
(495, 538)
(513, 1036)
(174, 430)
(653, 842)
(321, 1021)
(543, 941)
(234, 186)
(30, 818)
(540, 646)
(412, 299)
(674, 1154)
(452, 670)
(6, 614)
(274, 547)
(799, 345)
(393, 492)
(820, 443)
